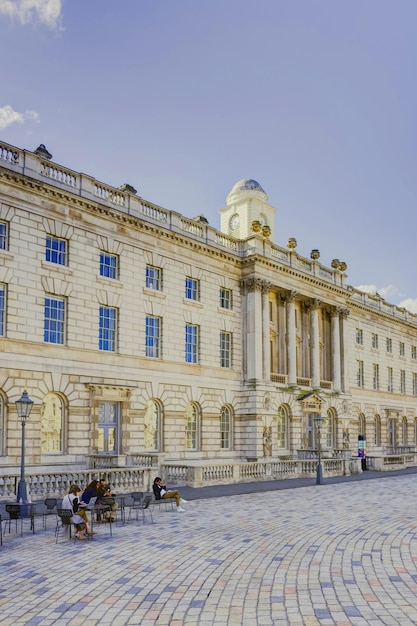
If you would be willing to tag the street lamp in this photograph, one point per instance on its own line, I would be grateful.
(319, 421)
(23, 406)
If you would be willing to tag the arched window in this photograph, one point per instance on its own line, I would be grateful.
(330, 428)
(362, 426)
(152, 425)
(404, 436)
(377, 430)
(52, 424)
(282, 427)
(192, 419)
(226, 427)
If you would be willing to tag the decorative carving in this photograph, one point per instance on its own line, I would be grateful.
(346, 438)
(256, 226)
(315, 254)
(267, 440)
(266, 231)
(253, 284)
(267, 401)
(335, 264)
(292, 243)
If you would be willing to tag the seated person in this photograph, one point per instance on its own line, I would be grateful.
(161, 492)
(104, 491)
(72, 502)
(90, 491)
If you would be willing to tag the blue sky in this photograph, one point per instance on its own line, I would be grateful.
(315, 99)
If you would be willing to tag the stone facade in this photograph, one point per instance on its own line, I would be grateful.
(137, 331)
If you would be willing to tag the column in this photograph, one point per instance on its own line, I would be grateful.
(336, 349)
(344, 358)
(315, 344)
(291, 339)
(253, 325)
(266, 350)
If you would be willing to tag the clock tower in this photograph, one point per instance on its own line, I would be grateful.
(247, 202)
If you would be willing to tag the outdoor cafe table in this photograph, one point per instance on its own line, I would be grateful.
(27, 511)
(98, 508)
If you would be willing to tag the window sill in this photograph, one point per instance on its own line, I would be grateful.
(64, 269)
(153, 292)
(114, 282)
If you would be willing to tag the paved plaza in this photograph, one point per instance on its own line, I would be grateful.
(340, 553)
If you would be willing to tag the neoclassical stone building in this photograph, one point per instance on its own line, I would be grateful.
(141, 333)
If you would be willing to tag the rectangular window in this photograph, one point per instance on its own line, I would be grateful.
(54, 320)
(56, 250)
(402, 381)
(390, 379)
(375, 376)
(108, 427)
(2, 310)
(402, 348)
(4, 236)
(389, 344)
(192, 289)
(360, 374)
(414, 384)
(191, 343)
(359, 336)
(414, 352)
(153, 278)
(225, 349)
(107, 329)
(375, 341)
(153, 337)
(225, 298)
(109, 265)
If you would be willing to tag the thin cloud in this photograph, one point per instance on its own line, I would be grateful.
(9, 116)
(47, 12)
(410, 304)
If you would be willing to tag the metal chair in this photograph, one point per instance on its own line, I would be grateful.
(143, 506)
(50, 504)
(137, 497)
(63, 521)
(111, 514)
(14, 515)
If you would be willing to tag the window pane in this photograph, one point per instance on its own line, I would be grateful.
(56, 250)
(191, 289)
(107, 329)
(191, 343)
(153, 278)
(153, 337)
(108, 265)
(2, 310)
(54, 318)
(3, 236)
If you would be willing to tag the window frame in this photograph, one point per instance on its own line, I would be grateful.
(225, 349)
(225, 298)
(226, 417)
(108, 269)
(56, 254)
(153, 277)
(359, 336)
(192, 343)
(107, 334)
(153, 333)
(192, 289)
(4, 236)
(54, 323)
(3, 309)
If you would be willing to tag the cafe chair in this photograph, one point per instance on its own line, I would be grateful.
(50, 504)
(137, 497)
(14, 515)
(63, 522)
(143, 506)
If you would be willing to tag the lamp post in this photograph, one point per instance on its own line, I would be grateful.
(319, 478)
(23, 406)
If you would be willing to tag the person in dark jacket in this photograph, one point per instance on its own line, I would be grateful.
(161, 492)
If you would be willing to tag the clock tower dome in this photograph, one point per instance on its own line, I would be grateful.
(247, 202)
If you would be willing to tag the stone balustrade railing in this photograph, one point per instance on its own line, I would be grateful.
(57, 484)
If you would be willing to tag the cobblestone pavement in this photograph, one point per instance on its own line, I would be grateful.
(332, 554)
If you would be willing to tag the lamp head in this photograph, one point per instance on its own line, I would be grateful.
(24, 406)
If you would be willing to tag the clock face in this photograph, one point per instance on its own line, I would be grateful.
(234, 222)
